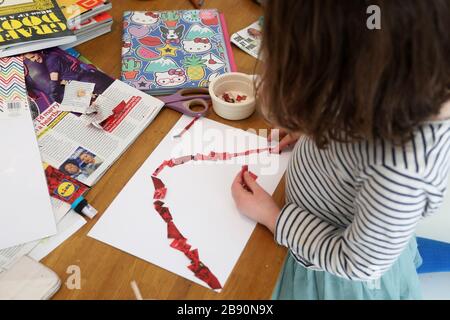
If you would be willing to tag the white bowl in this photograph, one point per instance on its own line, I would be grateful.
(235, 82)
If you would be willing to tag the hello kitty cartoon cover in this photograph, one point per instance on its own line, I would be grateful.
(165, 51)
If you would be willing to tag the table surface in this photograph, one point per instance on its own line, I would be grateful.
(106, 272)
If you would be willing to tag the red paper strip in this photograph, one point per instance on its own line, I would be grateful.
(203, 273)
(179, 242)
(173, 232)
(181, 245)
(160, 189)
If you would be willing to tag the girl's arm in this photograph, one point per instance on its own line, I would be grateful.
(388, 206)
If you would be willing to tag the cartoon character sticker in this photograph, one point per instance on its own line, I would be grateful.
(168, 50)
(209, 17)
(213, 62)
(195, 67)
(170, 18)
(142, 83)
(172, 36)
(146, 54)
(171, 78)
(145, 18)
(166, 72)
(138, 31)
(191, 16)
(130, 68)
(197, 39)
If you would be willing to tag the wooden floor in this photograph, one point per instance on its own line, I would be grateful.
(107, 272)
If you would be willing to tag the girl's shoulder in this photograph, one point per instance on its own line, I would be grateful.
(426, 155)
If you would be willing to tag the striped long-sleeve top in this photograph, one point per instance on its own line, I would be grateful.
(353, 207)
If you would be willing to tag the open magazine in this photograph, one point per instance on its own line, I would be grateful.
(75, 143)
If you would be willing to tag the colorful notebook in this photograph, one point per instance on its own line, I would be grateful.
(171, 50)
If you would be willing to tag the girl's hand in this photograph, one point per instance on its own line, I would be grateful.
(254, 202)
(286, 140)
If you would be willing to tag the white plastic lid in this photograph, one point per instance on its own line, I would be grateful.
(89, 211)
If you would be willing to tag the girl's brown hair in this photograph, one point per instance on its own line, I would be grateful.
(329, 76)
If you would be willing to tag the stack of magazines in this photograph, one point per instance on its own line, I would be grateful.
(31, 25)
(87, 19)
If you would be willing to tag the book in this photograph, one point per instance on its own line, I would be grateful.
(28, 25)
(78, 11)
(249, 38)
(83, 146)
(25, 208)
(171, 50)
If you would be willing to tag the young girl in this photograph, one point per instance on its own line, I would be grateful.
(370, 110)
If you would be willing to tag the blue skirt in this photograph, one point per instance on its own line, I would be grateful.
(400, 282)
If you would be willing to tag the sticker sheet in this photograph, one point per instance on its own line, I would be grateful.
(166, 51)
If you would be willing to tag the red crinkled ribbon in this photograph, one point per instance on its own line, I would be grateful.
(179, 242)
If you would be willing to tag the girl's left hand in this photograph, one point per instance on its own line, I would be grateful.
(254, 201)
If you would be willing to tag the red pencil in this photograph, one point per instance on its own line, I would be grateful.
(187, 127)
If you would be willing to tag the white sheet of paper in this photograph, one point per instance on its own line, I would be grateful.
(73, 101)
(437, 227)
(25, 210)
(71, 223)
(10, 255)
(199, 198)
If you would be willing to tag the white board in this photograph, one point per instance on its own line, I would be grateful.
(199, 198)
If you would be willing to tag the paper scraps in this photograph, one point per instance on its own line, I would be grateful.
(77, 97)
(104, 107)
(212, 156)
(233, 97)
(179, 242)
(252, 175)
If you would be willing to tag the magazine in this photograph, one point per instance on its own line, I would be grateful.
(249, 39)
(78, 11)
(31, 25)
(81, 145)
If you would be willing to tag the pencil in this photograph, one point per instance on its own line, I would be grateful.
(136, 290)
